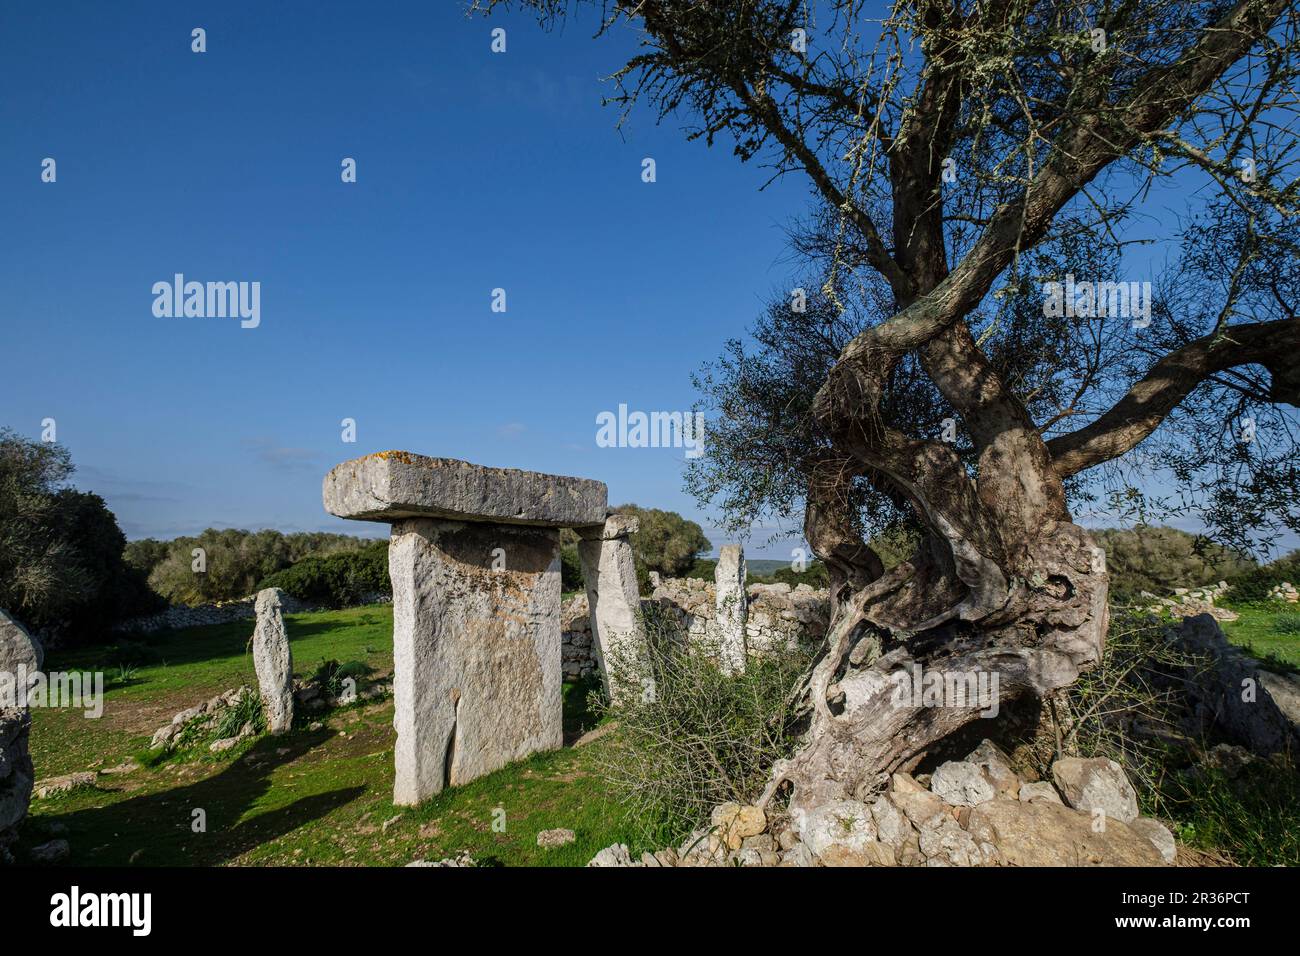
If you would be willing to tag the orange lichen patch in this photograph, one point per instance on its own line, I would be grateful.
(405, 457)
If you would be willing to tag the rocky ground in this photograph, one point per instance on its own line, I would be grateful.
(972, 812)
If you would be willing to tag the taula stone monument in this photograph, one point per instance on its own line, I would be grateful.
(474, 559)
(273, 661)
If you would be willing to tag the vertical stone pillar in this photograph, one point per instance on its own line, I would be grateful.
(20, 659)
(273, 661)
(614, 602)
(732, 608)
(476, 650)
(474, 559)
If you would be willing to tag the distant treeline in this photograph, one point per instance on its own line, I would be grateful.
(232, 563)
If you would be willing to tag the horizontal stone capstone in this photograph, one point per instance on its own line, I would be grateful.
(391, 485)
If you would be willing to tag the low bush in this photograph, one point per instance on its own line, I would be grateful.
(702, 738)
(336, 580)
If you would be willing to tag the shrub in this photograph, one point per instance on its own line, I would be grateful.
(815, 576)
(1158, 560)
(337, 580)
(1132, 707)
(705, 737)
(1287, 624)
(331, 675)
(246, 709)
(61, 551)
(665, 542)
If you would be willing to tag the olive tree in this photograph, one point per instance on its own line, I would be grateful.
(976, 167)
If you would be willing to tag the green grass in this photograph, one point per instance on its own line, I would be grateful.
(1254, 818)
(1267, 632)
(316, 797)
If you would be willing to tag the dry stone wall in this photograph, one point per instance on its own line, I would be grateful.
(222, 612)
(777, 616)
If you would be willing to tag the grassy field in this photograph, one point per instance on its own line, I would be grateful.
(321, 795)
(309, 797)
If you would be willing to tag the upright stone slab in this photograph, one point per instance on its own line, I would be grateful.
(732, 608)
(20, 653)
(20, 657)
(614, 602)
(273, 661)
(474, 560)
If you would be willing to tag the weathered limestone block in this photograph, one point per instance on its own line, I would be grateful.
(732, 607)
(273, 661)
(391, 485)
(476, 649)
(20, 653)
(19, 656)
(618, 637)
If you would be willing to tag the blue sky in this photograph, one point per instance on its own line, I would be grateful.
(475, 171)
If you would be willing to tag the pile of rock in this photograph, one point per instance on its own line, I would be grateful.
(312, 695)
(973, 812)
(1286, 591)
(1188, 602)
(203, 718)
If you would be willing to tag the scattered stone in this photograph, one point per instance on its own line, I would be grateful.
(614, 855)
(1096, 783)
(273, 661)
(1040, 833)
(47, 854)
(53, 786)
(225, 743)
(461, 860)
(945, 843)
(995, 764)
(845, 823)
(905, 783)
(870, 853)
(1042, 790)
(127, 766)
(892, 826)
(921, 807)
(556, 837)
(961, 784)
(1159, 835)
(389, 822)
(799, 855)
(735, 821)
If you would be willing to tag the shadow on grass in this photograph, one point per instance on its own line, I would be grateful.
(159, 826)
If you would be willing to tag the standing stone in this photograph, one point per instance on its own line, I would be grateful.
(19, 656)
(732, 608)
(618, 637)
(273, 661)
(476, 650)
(19, 651)
(474, 559)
